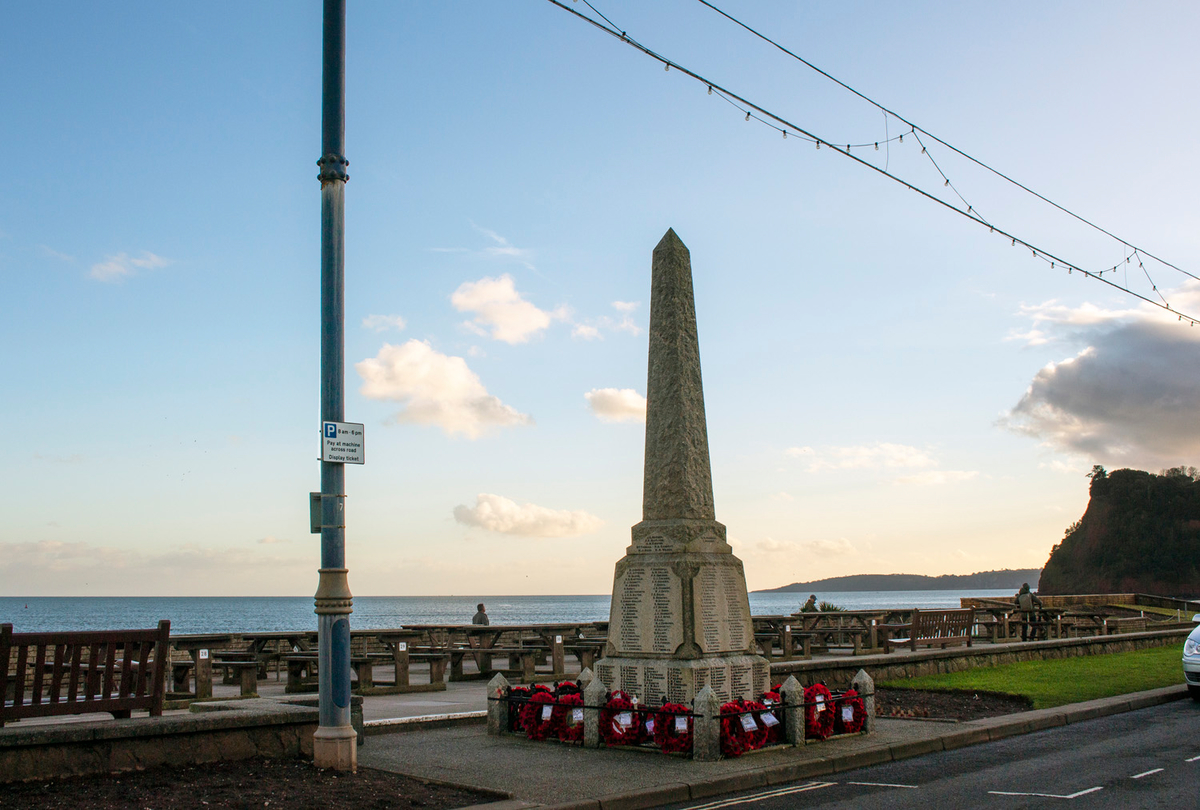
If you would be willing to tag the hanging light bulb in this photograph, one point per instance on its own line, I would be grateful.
(818, 144)
(785, 134)
(667, 66)
(946, 183)
(1014, 244)
(876, 146)
(901, 139)
(922, 150)
(710, 89)
(1051, 265)
(747, 116)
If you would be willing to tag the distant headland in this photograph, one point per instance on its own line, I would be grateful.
(1011, 578)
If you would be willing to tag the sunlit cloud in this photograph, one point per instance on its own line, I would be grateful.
(434, 389)
(122, 266)
(1130, 395)
(50, 567)
(496, 513)
(937, 477)
(500, 311)
(594, 328)
(865, 456)
(617, 404)
(382, 323)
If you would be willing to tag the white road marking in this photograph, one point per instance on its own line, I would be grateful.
(1193, 759)
(1146, 773)
(883, 784)
(765, 794)
(1074, 795)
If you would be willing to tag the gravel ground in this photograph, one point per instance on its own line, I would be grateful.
(912, 703)
(253, 783)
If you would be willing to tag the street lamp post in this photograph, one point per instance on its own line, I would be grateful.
(335, 743)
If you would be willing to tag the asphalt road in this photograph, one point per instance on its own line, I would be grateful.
(1142, 759)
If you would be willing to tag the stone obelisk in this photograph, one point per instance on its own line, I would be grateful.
(680, 616)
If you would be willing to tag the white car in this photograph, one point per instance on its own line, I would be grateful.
(1191, 660)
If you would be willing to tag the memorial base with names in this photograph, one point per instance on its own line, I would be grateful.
(652, 679)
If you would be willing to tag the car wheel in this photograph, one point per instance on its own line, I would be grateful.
(1195, 690)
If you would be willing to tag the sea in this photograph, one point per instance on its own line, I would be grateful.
(247, 614)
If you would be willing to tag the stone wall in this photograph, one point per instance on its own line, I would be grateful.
(838, 672)
(236, 730)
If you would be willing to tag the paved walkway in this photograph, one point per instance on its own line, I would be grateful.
(550, 774)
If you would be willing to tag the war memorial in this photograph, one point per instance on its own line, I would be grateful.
(680, 615)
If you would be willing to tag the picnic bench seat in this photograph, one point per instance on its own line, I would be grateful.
(302, 670)
(932, 628)
(61, 673)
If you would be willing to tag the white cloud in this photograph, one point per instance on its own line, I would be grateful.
(594, 328)
(866, 456)
(500, 311)
(381, 323)
(54, 254)
(1130, 395)
(617, 404)
(271, 539)
(505, 249)
(496, 513)
(122, 265)
(936, 477)
(824, 546)
(798, 550)
(53, 567)
(436, 389)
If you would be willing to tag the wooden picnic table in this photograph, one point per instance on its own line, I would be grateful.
(833, 627)
(199, 646)
(479, 639)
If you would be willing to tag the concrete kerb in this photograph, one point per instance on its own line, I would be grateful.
(403, 725)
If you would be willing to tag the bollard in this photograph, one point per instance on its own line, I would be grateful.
(497, 710)
(865, 686)
(792, 694)
(594, 695)
(706, 728)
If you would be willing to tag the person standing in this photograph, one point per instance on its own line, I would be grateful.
(1026, 603)
(481, 616)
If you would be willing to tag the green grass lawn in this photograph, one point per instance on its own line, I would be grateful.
(1065, 680)
(1184, 615)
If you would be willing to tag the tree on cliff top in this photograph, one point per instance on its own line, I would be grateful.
(1139, 534)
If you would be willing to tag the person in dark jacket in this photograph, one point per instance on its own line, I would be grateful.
(1027, 602)
(481, 616)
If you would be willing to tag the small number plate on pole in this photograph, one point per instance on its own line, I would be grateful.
(343, 442)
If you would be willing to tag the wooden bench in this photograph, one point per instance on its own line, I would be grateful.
(240, 668)
(60, 673)
(933, 628)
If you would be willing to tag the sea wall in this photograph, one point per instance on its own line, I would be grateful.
(220, 731)
(838, 672)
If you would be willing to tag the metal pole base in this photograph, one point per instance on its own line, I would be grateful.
(336, 747)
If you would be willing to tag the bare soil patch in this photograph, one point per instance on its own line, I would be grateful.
(949, 705)
(252, 783)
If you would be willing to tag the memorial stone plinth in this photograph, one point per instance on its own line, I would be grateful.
(680, 615)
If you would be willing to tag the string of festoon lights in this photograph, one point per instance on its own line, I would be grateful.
(790, 130)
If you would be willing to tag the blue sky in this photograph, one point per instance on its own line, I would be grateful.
(889, 387)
